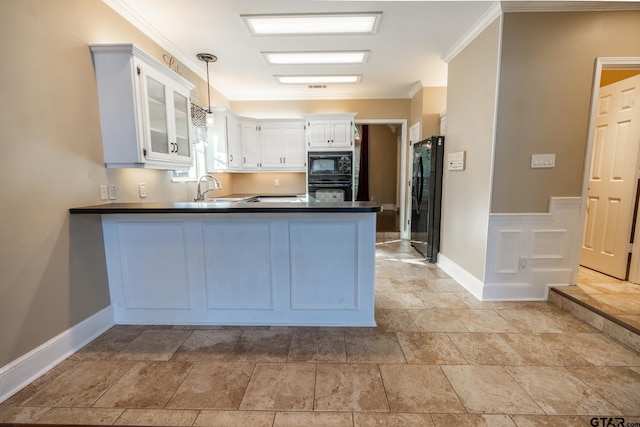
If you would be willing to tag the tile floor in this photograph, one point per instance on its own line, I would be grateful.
(438, 357)
(614, 298)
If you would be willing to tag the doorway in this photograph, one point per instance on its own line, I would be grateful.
(612, 171)
(387, 171)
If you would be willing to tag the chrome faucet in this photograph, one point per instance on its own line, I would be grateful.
(200, 194)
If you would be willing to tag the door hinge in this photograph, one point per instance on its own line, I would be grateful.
(138, 70)
(144, 152)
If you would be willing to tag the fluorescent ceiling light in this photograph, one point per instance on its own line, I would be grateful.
(319, 79)
(311, 24)
(305, 58)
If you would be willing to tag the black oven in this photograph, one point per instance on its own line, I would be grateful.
(330, 165)
(330, 176)
(335, 192)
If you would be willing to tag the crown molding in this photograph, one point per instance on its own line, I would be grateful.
(415, 89)
(568, 6)
(124, 10)
(474, 31)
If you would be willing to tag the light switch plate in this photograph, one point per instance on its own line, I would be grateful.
(543, 160)
(104, 194)
(142, 189)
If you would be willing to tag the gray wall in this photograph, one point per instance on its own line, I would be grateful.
(471, 98)
(546, 76)
(53, 269)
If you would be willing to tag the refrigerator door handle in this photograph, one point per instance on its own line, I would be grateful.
(420, 186)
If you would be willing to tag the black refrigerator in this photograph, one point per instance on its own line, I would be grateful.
(426, 196)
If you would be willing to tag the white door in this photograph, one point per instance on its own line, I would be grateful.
(612, 179)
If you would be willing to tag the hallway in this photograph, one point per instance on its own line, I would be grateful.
(438, 357)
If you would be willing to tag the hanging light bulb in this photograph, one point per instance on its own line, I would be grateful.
(207, 57)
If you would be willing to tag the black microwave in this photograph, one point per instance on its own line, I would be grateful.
(332, 166)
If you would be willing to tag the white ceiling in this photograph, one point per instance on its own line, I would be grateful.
(405, 52)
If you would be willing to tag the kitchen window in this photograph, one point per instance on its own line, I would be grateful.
(199, 135)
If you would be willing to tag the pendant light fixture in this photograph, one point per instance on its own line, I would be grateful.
(207, 57)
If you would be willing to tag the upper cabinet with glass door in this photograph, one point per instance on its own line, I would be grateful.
(144, 110)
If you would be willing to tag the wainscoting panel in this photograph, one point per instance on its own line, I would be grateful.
(528, 252)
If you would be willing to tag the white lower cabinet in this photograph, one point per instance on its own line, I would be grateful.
(315, 269)
(152, 266)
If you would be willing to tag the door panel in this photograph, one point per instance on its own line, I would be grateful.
(613, 179)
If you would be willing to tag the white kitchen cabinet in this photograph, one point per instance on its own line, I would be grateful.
(282, 145)
(234, 142)
(258, 268)
(224, 149)
(242, 144)
(251, 153)
(144, 110)
(330, 131)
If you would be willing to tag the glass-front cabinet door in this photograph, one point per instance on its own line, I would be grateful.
(181, 115)
(168, 117)
(157, 113)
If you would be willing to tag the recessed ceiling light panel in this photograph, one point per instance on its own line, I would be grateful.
(313, 24)
(317, 79)
(316, 58)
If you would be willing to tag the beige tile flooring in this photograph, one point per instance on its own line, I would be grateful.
(617, 299)
(438, 357)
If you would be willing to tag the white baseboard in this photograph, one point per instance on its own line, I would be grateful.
(462, 276)
(32, 365)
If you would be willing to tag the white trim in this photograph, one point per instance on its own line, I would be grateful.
(470, 282)
(32, 365)
(123, 9)
(474, 31)
(601, 63)
(567, 6)
(415, 89)
(404, 165)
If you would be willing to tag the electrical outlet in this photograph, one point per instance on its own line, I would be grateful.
(522, 263)
(104, 194)
(112, 192)
(277, 183)
(142, 189)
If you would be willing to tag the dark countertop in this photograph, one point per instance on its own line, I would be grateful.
(209, 207)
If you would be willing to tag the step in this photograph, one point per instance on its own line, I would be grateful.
(610, 325)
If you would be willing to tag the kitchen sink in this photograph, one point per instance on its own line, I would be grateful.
(229, 199)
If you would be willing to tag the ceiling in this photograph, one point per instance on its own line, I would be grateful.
(405, 52)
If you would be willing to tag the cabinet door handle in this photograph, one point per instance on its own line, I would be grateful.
(177, 147)
(284, 160)
(244, 160)
(231, 157)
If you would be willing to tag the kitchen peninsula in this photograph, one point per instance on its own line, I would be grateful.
(240, 263)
